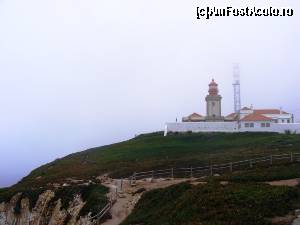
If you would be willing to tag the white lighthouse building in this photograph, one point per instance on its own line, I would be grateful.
(247, 119)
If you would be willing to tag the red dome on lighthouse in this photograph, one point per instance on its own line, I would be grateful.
(213, 88)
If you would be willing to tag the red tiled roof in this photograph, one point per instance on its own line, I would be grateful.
(256, 117)
(268, 111)
(245, 108)
(232, 115)
(195, 114)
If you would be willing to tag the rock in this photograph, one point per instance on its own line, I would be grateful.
(161, 179)
(43, 213)
(56, 185)
(297, 212)
(296, 221)
(58, 215)
(121, 195)
(74, 209)
(288, 219)
(224, 182)
(40, 207)
(104, 178)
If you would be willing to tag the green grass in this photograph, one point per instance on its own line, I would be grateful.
(155, 151)
(260, 174)
(214, 204)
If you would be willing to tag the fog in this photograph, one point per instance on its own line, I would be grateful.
(77, 74)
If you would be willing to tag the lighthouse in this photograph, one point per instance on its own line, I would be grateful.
(213, 103)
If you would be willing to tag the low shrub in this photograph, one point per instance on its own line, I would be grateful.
(95, 198)
(140, 190)
(261, 174)
(213, 204)
(93, 195)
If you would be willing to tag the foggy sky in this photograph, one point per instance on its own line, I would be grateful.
(77, 74)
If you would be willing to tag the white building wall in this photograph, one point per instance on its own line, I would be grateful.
(257, 127)
(201, 127)
(283, 127)
(230, 127)
(282, 118)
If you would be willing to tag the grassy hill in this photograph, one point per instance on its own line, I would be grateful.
(155, 151)
(181, 203)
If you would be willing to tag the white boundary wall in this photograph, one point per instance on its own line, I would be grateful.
(230, 127)
(201, 127)
(283, 127)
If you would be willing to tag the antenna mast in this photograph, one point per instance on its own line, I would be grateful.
(236, 88)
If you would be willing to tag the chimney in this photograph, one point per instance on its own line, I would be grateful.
(280, 110)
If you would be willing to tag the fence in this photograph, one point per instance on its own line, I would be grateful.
(97, 218)
(210, 170)
(201, 171)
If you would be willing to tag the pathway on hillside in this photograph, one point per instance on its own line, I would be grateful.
(128, 198)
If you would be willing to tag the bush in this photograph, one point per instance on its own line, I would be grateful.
(288, 132)
(32, 195)
(140, 190)
(261, 174)
(95, 198)
(213, 204)
(93, 195)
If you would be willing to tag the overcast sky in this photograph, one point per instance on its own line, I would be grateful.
(75, 74)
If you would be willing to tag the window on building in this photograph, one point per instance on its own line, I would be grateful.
(213, 104)
(263, 125)
(251, 124)
(268, 124)
(247, 125)
(282, 121)
(288, 121)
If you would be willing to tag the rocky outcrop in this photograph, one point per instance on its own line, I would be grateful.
(45, 212)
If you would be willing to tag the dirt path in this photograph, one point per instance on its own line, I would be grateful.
(128, 197)
(290, 183)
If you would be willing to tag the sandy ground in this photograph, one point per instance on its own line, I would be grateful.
(290, 183)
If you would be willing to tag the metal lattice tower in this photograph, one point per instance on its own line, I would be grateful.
(236, 88)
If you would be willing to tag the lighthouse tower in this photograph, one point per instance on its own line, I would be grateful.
(213, 103)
